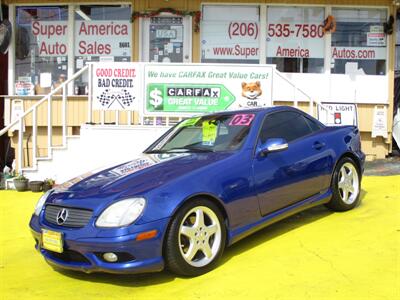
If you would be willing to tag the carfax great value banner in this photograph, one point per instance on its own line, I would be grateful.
(172, 89)
(116, 86)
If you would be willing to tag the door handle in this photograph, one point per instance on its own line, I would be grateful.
(318, 145)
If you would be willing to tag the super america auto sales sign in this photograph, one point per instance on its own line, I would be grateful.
(94, 38)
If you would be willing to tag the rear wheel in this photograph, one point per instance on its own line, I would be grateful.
(345, 186)
(196, 238)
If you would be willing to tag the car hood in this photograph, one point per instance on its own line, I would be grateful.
(138, 176)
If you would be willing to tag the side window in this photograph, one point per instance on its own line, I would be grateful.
(313, 125)
(288, 125)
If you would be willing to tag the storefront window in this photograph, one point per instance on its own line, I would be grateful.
(230, 34)
(295, 40)
(359, 43)
(102, 33)
(41, 49)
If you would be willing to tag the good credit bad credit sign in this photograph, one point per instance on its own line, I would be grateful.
(206, 88)
(116, 86)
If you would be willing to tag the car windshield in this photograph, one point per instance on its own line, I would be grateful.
(215, 133)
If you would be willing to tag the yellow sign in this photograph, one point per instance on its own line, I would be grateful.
(209, 133)
(52, 240)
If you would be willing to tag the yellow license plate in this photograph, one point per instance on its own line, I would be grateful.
(52, 240)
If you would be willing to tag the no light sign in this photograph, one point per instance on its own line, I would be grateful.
(339, 114)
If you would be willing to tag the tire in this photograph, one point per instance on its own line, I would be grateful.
(195, 239)
(346, 186)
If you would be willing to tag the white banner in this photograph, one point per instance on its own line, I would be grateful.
(338, 114)
(116, 86)
(200, 88)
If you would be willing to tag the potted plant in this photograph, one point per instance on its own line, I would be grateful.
(21, 183)
(48, 184)
(36, 186)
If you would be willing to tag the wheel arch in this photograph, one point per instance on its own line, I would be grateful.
(354, 158)
(206, 196)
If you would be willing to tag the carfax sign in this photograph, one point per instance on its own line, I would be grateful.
(172, 89)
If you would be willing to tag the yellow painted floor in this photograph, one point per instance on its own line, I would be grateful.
(313, 255)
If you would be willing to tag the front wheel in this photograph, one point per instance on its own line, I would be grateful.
(196, 238)
(346, 186)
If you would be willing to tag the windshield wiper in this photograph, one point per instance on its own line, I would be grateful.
(155, 151)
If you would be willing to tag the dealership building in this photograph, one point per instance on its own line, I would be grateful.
(340, 54)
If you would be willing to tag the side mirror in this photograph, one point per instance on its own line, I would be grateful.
(272, 145)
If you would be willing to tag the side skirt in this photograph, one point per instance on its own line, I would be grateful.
(244, 231)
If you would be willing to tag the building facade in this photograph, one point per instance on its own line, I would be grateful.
(340, 51)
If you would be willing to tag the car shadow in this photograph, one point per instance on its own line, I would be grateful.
(267, 234)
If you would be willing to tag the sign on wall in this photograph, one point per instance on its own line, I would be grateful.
(92, 38)
(116, 86)
(205, 88)
(379, 125)
(230, 33)
(295, 32)
(338, 114)
(103, 38)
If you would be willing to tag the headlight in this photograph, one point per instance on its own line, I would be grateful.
(121, 213)
(40, 203)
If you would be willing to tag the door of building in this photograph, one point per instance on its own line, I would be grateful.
(166, 38)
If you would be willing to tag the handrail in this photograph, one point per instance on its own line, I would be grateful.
(33, 107)
(292, 84)
(312, 101)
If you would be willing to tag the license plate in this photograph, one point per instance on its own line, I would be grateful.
(52, 240)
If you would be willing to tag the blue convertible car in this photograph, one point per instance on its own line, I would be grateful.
(205, 184)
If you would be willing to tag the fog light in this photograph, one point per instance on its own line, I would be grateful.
(110, 257)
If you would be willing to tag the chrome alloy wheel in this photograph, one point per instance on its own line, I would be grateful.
(348, 183)
(199, 236)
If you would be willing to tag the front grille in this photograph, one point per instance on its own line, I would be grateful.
(77, 217)
(69, 256)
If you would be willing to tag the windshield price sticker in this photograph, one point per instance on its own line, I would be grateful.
(242, 120)
(209, 133)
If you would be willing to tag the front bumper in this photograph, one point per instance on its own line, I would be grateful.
(85, 253)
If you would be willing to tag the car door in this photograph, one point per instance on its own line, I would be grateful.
(285, 177)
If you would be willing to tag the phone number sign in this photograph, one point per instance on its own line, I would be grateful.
(295, 40)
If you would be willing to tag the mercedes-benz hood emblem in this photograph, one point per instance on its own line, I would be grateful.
(62, 216)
